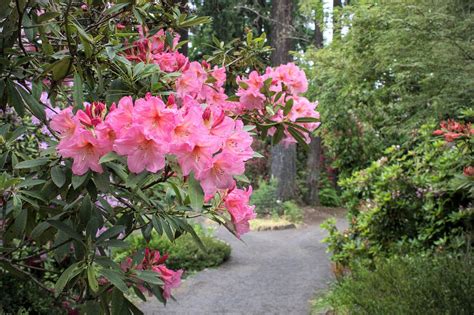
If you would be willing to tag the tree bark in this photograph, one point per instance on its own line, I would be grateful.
(336, 19)
(314, 153)
(184, 32)
(283, 158)
(318, 34)
(314, 171)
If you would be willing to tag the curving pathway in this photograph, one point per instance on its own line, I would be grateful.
(273, 272)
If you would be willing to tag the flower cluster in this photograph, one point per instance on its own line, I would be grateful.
(452, 130)
(155, 49)
(204, 140)
(278, 92)
(237, 203)
(155, 262)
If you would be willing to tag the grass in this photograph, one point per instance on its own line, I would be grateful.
(270, 224)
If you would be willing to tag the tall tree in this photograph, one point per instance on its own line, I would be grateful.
(314, 153)
(283, 158)
(184, 32)
(336, 18)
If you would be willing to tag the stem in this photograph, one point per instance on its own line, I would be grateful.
(20, 20)
(43, 252)
(25, 273)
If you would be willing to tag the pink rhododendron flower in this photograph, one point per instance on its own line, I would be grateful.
(239, 143)
(189, 128)
(291, 76)
(220, 175)
(197, 157)
(237, 203)
(171, 278)
(92, 115)
(190, 82)
(143, 150)
(121, 118)
(154, 261)
(64, 123)
(85, 150)
(155, 118)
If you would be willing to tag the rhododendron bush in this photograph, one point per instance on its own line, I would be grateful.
(107, 129)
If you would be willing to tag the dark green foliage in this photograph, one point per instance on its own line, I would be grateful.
(401, 63)
(266, 203)
(416, 198)
(409, 285)
(292, 212)
(329, 197)
(25, 297)
(184, 253)
(265, 200)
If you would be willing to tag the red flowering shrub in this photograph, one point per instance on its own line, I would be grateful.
(452, 130)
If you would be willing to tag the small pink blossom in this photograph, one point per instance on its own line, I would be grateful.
(85, 150)
(220, 175)
(64, 123)
(143, 151)
(155, 118)
(237, 203)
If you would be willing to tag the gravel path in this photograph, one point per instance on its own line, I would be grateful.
(273, 272)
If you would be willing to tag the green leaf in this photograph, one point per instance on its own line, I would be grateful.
(20, 221)
(77, 181)
(288, 107)
(30, 183)
(67, 275)
(298, 137)
(243, 85)
(242, 178)
(279, 134)
(157, 224)
(60, 68)
(31, 163)
(39, 230)
(15, 99)
(86, 209)
(115, 278)
(93, 284)
(58, 176)
(168, 230)
(111, 232)
(83, 33)
(47, 16)
(233, 98)
(63, 227)
(78, 93)
(116, 8)
(149, 276)
(34, 105)
(306, 120)
(195, 192)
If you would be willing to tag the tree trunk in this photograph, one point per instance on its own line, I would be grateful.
(283, 159)
(183, 7)
(314, 153)
(336, 19)
(314, 171)
(318, 34)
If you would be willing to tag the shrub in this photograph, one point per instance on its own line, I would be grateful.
(184, 253)
(417, 198)
(265, 199)
(25, 297)
(406, 285)
(329, 197)
(292, 212)
(266, 203)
